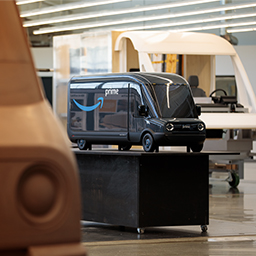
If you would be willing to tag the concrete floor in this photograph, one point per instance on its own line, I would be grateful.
(232, 228)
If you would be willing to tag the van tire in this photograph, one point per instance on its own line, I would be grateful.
(148, 143)
(197, 147)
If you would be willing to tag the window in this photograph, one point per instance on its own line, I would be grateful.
(228, 84)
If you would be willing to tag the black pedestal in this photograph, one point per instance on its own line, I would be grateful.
(137, 189)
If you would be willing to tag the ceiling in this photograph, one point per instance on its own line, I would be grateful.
(234, 19)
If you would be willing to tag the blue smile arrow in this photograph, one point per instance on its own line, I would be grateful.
(85, 108)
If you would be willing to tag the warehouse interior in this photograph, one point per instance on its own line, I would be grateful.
(70, 38)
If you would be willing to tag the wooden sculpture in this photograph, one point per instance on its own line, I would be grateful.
(40, 194)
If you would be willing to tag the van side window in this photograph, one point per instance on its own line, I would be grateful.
(135, 99)
(83, 94)
(139, 98)
(147, 104)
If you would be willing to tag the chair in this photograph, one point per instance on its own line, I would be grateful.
(194, 82)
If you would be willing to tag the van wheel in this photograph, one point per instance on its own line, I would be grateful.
(82, 144)
(148, 143)
(197, 148)
(124, 147)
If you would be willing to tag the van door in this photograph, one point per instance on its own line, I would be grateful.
(136, 122)
(98, 111)
(113, 116)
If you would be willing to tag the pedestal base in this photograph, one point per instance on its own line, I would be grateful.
(144, 189)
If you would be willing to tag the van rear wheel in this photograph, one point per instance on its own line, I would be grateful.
(148, 143)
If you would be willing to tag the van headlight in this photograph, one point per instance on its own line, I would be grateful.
(200, 127)
(169, 127)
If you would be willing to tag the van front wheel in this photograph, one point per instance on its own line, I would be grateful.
(148, 143)
(197, 148)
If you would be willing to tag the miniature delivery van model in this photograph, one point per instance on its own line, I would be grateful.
(140, 108)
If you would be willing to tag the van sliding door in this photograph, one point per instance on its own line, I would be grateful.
(98, 109)
(136, 122)
(113, 116)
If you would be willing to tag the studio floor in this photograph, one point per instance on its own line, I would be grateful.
(231, 231)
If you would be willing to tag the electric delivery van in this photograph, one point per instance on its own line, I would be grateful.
(137, 108)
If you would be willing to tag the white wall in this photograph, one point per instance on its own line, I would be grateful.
(43, 59)
(247, 54)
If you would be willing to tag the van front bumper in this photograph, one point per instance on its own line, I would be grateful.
(179, 139)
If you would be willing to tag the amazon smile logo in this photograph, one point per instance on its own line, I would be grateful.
(90, 108)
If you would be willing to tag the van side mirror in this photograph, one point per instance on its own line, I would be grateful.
(143, 110)
(198, 110)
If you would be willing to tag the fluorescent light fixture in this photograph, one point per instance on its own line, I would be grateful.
(21, 2)
(69, 6)
(215, 26)
(238, 30)
(82, 16)
(194, 21)
(74, 17)
(146, 18)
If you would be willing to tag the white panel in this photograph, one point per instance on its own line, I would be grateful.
(43, 59)
(224, 66)
(247, 54)
(229, 120)
(178, 43)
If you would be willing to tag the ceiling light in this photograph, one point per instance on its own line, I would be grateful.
(69, 6)
(238, 30)
(216, 26)
(194, 21)
(145, 18)
(21, 2)
(81, 16)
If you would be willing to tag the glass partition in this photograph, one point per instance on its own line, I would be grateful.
(80, 54)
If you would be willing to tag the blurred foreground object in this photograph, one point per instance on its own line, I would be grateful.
(40, 196)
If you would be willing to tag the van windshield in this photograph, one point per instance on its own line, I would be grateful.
(175, 100)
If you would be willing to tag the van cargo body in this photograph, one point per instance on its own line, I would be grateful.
(125, 109)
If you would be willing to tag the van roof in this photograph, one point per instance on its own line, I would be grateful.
(141, 77)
